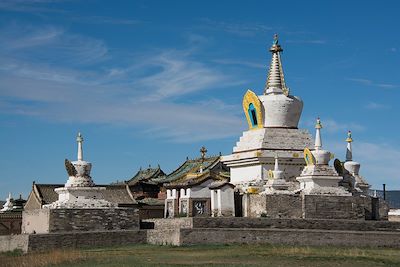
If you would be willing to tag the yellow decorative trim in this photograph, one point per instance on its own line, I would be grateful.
(270, 175)
(251, 98)
(295, 155)
(308, 157)
(253, 190)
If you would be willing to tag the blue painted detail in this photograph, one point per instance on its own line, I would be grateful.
(253, 115)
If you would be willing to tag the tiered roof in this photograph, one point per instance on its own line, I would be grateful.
(195, 171)
(146, 175)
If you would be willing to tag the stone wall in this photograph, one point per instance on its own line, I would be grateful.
(334, 207)
(153, 211)
(289, 237)
(35, 221)
(322, 224)
(10, 223)
(275, 206)
(61, 220)
(314, 206)
(12, 242)
(43, 242)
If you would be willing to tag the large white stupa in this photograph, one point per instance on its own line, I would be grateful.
(273, 131)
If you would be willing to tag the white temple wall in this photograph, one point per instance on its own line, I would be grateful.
(246, 174)
(201, 191)
(227, 201)
(35, 221)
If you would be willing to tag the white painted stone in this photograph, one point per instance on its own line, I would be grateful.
(79, 191)
(281, 110)
(8, 206)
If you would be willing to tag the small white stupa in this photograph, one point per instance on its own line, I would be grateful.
(318, 178)
(8, 206)
(353, 167)
(80, 191)
(276, 183)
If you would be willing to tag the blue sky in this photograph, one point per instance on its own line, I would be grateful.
(150, 82)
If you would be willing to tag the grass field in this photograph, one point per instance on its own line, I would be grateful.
(217, 255)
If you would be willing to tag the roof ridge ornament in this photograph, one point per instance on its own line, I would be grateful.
(276, 80)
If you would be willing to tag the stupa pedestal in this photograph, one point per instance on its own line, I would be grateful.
(80, 206)
(318, 178)
(254, 154)
(79, 192)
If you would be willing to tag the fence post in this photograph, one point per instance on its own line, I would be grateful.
(384, 191)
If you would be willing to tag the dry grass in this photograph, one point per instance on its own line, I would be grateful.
(42, 259)
(211, 255)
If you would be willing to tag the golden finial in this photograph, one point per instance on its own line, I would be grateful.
(318, 125)
(349, 139)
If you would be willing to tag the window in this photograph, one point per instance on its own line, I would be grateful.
(253, 115)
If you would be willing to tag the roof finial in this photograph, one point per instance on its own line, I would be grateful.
(276, 80)
(318, 140)
(203, 152)
(275, 42)
(79, 139)
(349, 150)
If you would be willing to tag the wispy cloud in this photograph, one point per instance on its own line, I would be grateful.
(378, 160)
(146, 94)
(333, 126)
(369, 82)
(236, 28)
(50, 44)
(31, 6)
(376, 106)
(241, 63)
(107, 20)
(311, 41)
(180, 76)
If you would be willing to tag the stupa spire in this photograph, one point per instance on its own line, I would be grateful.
(349, 150)
(276, 80)
(276, 167)
(318, 140)
(79, 140)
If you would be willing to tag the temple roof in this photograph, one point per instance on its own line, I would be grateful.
(114, 193)
(143, 175)
(151, 201)
(219, 184)
(195, 171)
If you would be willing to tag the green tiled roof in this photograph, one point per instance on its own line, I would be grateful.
(188, 174)
(144, 175)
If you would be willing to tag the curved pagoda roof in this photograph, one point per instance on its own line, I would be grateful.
(195, 171)
(146, 175)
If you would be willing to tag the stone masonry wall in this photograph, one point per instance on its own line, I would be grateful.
(333, 207)
(93, 219)
(303, 237)
(10, 223)
(44, 242)
(282, 223)
(312, 206)
(275, 206)
(12, 242)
